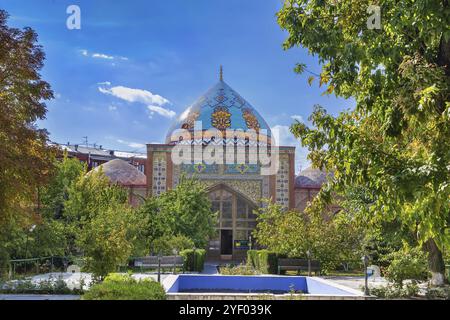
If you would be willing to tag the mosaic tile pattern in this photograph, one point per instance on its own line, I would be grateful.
(201, 168)
(242, 168)
(222, 108)
(159, 173)
(282, 182)
(252, 189)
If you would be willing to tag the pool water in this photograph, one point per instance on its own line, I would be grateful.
(253, 284)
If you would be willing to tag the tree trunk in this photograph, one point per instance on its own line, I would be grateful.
(435, 263)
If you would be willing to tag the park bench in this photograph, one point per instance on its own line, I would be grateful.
(298, 265)
(166, 262)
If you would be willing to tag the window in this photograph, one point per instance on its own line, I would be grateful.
(235, 213)
(241, 209)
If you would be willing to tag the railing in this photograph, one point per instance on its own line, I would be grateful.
(33, 266)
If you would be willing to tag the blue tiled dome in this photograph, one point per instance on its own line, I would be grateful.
(219, 108)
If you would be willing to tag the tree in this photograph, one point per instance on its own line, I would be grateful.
(156, 224)
(184, 211)
(106, 239)
(333, 240)
(101, 223)
(26, 160)
(56, 192)
(187, 211)
(395, 143)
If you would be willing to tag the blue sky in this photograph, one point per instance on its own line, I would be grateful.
(135, 65)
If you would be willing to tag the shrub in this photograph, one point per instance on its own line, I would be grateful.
(406, 264)
(394, 291)
(438, 293)
(194, 259)
(167, 244)
(49, 286)
(241, 269)
(124, 287)
(252, 259)
(263, 261)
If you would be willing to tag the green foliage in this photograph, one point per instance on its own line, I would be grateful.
(184, 211)
(104, 227)
(331, 240)
(167, 245)
(393, 291)
(406, 264)
(26, 160)
(155, 224)
(194, 259)
(124, 287)
(395, 142)
(50, 286)
(241, 269)
(263, 261)
(187, 210)
(56, 192)
(438, 293)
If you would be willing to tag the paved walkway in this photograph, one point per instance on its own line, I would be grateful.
(356, 283)
(210, 268)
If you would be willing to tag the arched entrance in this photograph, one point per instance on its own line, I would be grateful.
(235, 222)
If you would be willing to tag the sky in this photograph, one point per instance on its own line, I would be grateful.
(135, 65)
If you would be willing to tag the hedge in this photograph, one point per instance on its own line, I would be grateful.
(264, 261)
(193, 259)
(124, 287)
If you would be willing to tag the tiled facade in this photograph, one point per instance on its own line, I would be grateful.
(237, 187)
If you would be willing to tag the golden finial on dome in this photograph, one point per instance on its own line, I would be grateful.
(221, 73)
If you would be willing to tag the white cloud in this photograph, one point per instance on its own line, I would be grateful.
(162, 111)
(135, 95)
(298, 118)
(154, 102)
(102, 56)
(98, 55)
(105, 83)
(112, 108)
(135, 145)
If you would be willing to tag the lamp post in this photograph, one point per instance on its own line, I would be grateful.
(159, 267)
(26, 244)
(175, 254)
(308, 255)
(365, 260)
(194, 259)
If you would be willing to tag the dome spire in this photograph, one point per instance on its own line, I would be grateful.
(221, 73)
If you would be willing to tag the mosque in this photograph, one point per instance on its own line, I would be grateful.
(227, 121)
(224, 124)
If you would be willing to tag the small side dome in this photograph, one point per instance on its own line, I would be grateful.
(120, 171)
(311, 178)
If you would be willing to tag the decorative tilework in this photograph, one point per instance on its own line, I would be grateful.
(200, 168)
(176, 173)
(220, 119)
(222, 108)
(242, 168)
(159, 173)
(282, 182)
(252, 189)
(250, 119)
